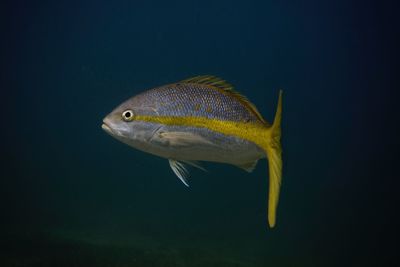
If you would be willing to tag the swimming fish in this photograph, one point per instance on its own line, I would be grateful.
(201, 119)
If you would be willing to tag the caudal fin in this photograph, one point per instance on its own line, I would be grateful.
(274, 155)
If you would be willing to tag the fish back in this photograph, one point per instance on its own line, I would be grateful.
(198, 100)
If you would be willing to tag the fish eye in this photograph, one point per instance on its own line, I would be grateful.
(127, 115)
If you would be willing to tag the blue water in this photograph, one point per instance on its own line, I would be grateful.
(73, 196)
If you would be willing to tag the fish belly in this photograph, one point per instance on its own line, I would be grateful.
(202, 144)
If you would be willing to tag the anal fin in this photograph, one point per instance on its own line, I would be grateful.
(248, 166)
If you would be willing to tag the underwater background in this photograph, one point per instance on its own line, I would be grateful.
(70, 195)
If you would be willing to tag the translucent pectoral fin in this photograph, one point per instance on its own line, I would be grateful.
(182, 138)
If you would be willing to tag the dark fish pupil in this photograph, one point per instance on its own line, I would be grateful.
(128, 114)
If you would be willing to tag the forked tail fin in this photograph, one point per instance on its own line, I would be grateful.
(274, 155)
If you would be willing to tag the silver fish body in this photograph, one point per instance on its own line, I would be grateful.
(194, 143)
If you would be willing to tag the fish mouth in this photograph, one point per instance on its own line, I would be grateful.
(106, 128)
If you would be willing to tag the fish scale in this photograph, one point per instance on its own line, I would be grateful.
(194, 100)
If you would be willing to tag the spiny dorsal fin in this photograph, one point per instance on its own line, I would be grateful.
(227, 87)
(210, 80)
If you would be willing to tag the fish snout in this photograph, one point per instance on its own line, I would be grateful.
(107, 125)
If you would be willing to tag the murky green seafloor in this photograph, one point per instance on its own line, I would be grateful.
(84, 249)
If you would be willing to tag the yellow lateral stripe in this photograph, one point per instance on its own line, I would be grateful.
(248, 131)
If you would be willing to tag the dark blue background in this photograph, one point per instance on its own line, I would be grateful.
(65, 65)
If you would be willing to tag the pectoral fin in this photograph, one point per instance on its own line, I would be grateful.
(182, 138)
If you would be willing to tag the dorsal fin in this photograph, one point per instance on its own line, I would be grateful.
(228, 88)
(210, 80)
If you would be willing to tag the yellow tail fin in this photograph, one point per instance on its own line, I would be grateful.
(274, 155)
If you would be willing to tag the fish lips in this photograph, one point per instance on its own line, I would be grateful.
(106, 128)
(114, 130)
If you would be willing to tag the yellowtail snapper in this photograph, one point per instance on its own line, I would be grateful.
(201, 119)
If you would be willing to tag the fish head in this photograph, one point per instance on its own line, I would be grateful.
(121, 123)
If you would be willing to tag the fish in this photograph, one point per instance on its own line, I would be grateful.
(201, 119)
